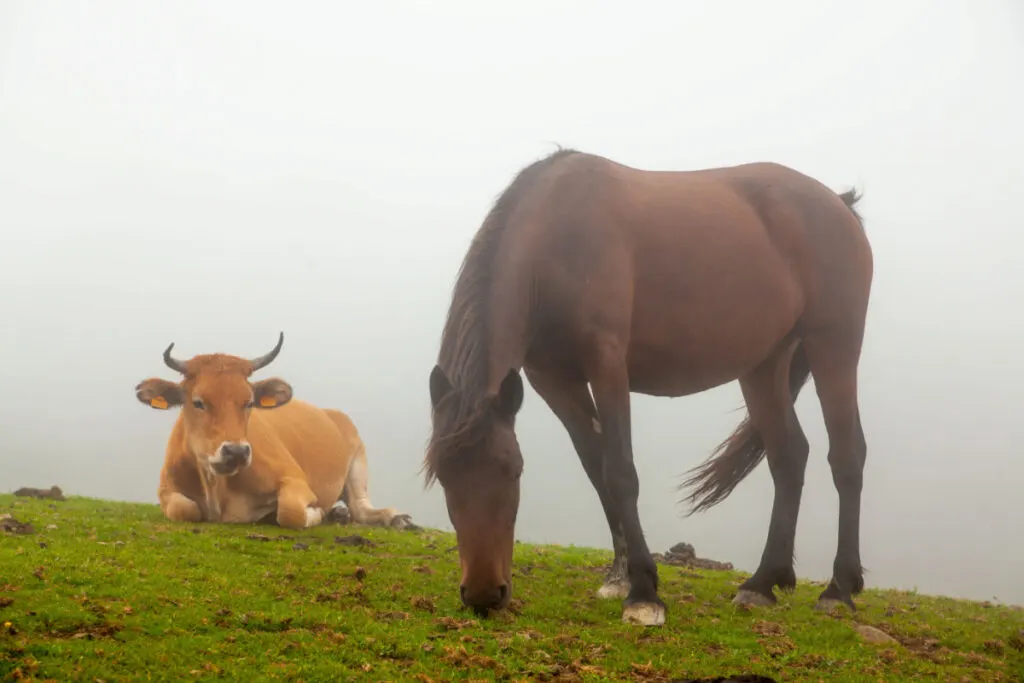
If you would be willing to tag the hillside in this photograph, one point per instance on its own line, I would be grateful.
(99, 590)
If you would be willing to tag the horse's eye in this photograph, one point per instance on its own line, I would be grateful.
(250, 405)
(198, 405)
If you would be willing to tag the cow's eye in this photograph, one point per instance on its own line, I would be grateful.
(198, 405)
(250, 405)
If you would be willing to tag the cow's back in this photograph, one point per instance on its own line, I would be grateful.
(313, 439)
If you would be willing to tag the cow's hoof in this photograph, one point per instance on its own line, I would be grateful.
(403, 522)
(314, 516)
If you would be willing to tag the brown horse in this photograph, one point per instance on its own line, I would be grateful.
(589, 272)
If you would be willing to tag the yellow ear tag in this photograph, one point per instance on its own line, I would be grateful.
(158, 402)
(268, 401)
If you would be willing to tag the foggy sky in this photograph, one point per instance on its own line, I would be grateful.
(212, 173)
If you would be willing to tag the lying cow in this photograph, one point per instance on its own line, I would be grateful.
(243, 451)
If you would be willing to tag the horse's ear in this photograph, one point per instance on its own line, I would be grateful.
(439, 385)
(510, 395)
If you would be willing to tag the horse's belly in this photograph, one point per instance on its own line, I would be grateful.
(676, 372)
(691, 349)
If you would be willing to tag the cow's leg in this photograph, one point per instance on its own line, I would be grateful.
(178, 507)
(296, 505)
(357, 497)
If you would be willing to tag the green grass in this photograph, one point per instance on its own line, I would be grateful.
(113, 591)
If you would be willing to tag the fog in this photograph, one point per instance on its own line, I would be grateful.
(213, 173)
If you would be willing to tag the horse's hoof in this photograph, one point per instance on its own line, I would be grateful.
(752, 599)
(829, 604)
(644, 614)
(614, 588)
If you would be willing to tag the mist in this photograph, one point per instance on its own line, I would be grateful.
(214, 173)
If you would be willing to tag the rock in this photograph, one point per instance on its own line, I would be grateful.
(52, 493)
(684, 555)
(873, 635)
(12, 526)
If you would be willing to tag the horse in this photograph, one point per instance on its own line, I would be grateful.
(598, 280)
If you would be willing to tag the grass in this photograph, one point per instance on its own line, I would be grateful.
(114, 592)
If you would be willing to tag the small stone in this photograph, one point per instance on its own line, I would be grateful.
(874, 635)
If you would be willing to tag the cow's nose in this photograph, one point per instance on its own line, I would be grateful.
(235, 452)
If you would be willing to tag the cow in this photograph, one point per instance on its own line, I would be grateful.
(245, 451)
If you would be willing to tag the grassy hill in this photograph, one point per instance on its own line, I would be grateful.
(99, 590)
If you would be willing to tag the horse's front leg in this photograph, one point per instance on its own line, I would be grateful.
(572, 405)
(609, 380)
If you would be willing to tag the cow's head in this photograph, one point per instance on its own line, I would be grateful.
(216, 398)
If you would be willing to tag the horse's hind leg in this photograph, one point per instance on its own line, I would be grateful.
(834, 366)
(572, 405)
(770, 404)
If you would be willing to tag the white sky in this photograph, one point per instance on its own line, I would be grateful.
(212, 173)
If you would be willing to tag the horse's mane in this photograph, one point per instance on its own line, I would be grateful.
(461, 419)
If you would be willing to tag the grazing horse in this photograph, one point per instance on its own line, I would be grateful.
(243, 451)
(598, 280)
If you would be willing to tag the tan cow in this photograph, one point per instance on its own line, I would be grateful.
(244, 451)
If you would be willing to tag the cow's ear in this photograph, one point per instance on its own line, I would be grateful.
(159, 393)
(271, 393)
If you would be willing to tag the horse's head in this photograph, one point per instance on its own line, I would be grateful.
(475, 455)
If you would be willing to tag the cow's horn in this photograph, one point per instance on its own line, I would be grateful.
(264, 361)
(172, 362)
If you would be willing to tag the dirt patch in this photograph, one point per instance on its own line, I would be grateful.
(768, 628)
(422, 603)
(12, 526)
(683, 555)
(87, 631)
(353, 540)
(52, 493)
(453, 624)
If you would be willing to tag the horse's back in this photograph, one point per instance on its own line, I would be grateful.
(691, 262)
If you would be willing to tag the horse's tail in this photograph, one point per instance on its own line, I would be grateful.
(737, 456)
